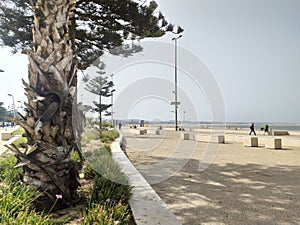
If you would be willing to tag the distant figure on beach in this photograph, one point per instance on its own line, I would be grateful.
(266, 128)
(120, 126)
(252, 129)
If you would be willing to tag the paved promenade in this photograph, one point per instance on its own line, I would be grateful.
(241, 185)
(7, 142)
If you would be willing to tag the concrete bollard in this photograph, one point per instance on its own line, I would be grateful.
(6, 136)
(220, 139)
(273, 143)
(185, 136)
(251, 141)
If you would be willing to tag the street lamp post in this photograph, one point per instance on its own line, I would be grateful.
(14, 109)
(175, 88)
(112, 102)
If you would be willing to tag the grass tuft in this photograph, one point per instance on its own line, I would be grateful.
(108, 136)
(15, 202)
(7, 171)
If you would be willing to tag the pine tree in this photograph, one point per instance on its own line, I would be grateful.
(3, 113)
(98, 25)
(102, 87)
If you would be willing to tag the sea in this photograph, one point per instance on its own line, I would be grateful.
(231, 125)
(275, 126)
(238, 126)
(215, 125)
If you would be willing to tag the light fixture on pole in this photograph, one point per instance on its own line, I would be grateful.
(20, 105)
(14, 109)
(176, 103)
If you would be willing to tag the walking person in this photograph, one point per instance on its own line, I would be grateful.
(266, 128)
(252, 129)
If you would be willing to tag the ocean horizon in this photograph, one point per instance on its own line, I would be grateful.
(228, 125)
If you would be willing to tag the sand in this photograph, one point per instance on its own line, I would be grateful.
(242, 185)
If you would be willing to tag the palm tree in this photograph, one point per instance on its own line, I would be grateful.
(48, 122)
(52, 79)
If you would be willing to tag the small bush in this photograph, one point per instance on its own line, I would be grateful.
(106, 124)
(108, 203)
(89, 135)
(104, 188)
(96, 156)
(75, 157)
(109, 180)
(108, 136)
(106, 214)
(15, 209)
(7, 170)
(107, 147)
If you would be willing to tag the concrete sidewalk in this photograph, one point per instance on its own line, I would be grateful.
(8, 142)
(241, 185)
(147, 207)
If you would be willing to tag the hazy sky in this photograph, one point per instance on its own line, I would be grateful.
(253, 49)
(250, 48)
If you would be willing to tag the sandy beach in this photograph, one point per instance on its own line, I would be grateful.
(242, 185)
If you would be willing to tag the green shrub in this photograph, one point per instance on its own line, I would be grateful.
(7, 170)
(107, 147)
(106, 124)
(106, 214)
(89, 135)
(109, 180)
(109, 199)
(104, 188)
(108, 136)
(89, 172)
(75, 157)
(94, 157)
(15, 209)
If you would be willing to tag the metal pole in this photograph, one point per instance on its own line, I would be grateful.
(175, 91)
(112, 103)
(112, 110)
(176, 121)
(14, 109)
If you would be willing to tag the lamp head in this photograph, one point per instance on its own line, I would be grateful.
(175, 38)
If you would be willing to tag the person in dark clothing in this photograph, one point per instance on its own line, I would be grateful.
(252, 129)
(266, 128)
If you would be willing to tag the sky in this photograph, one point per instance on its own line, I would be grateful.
(238, 60)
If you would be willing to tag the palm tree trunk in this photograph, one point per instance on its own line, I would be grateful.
(50, 94)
